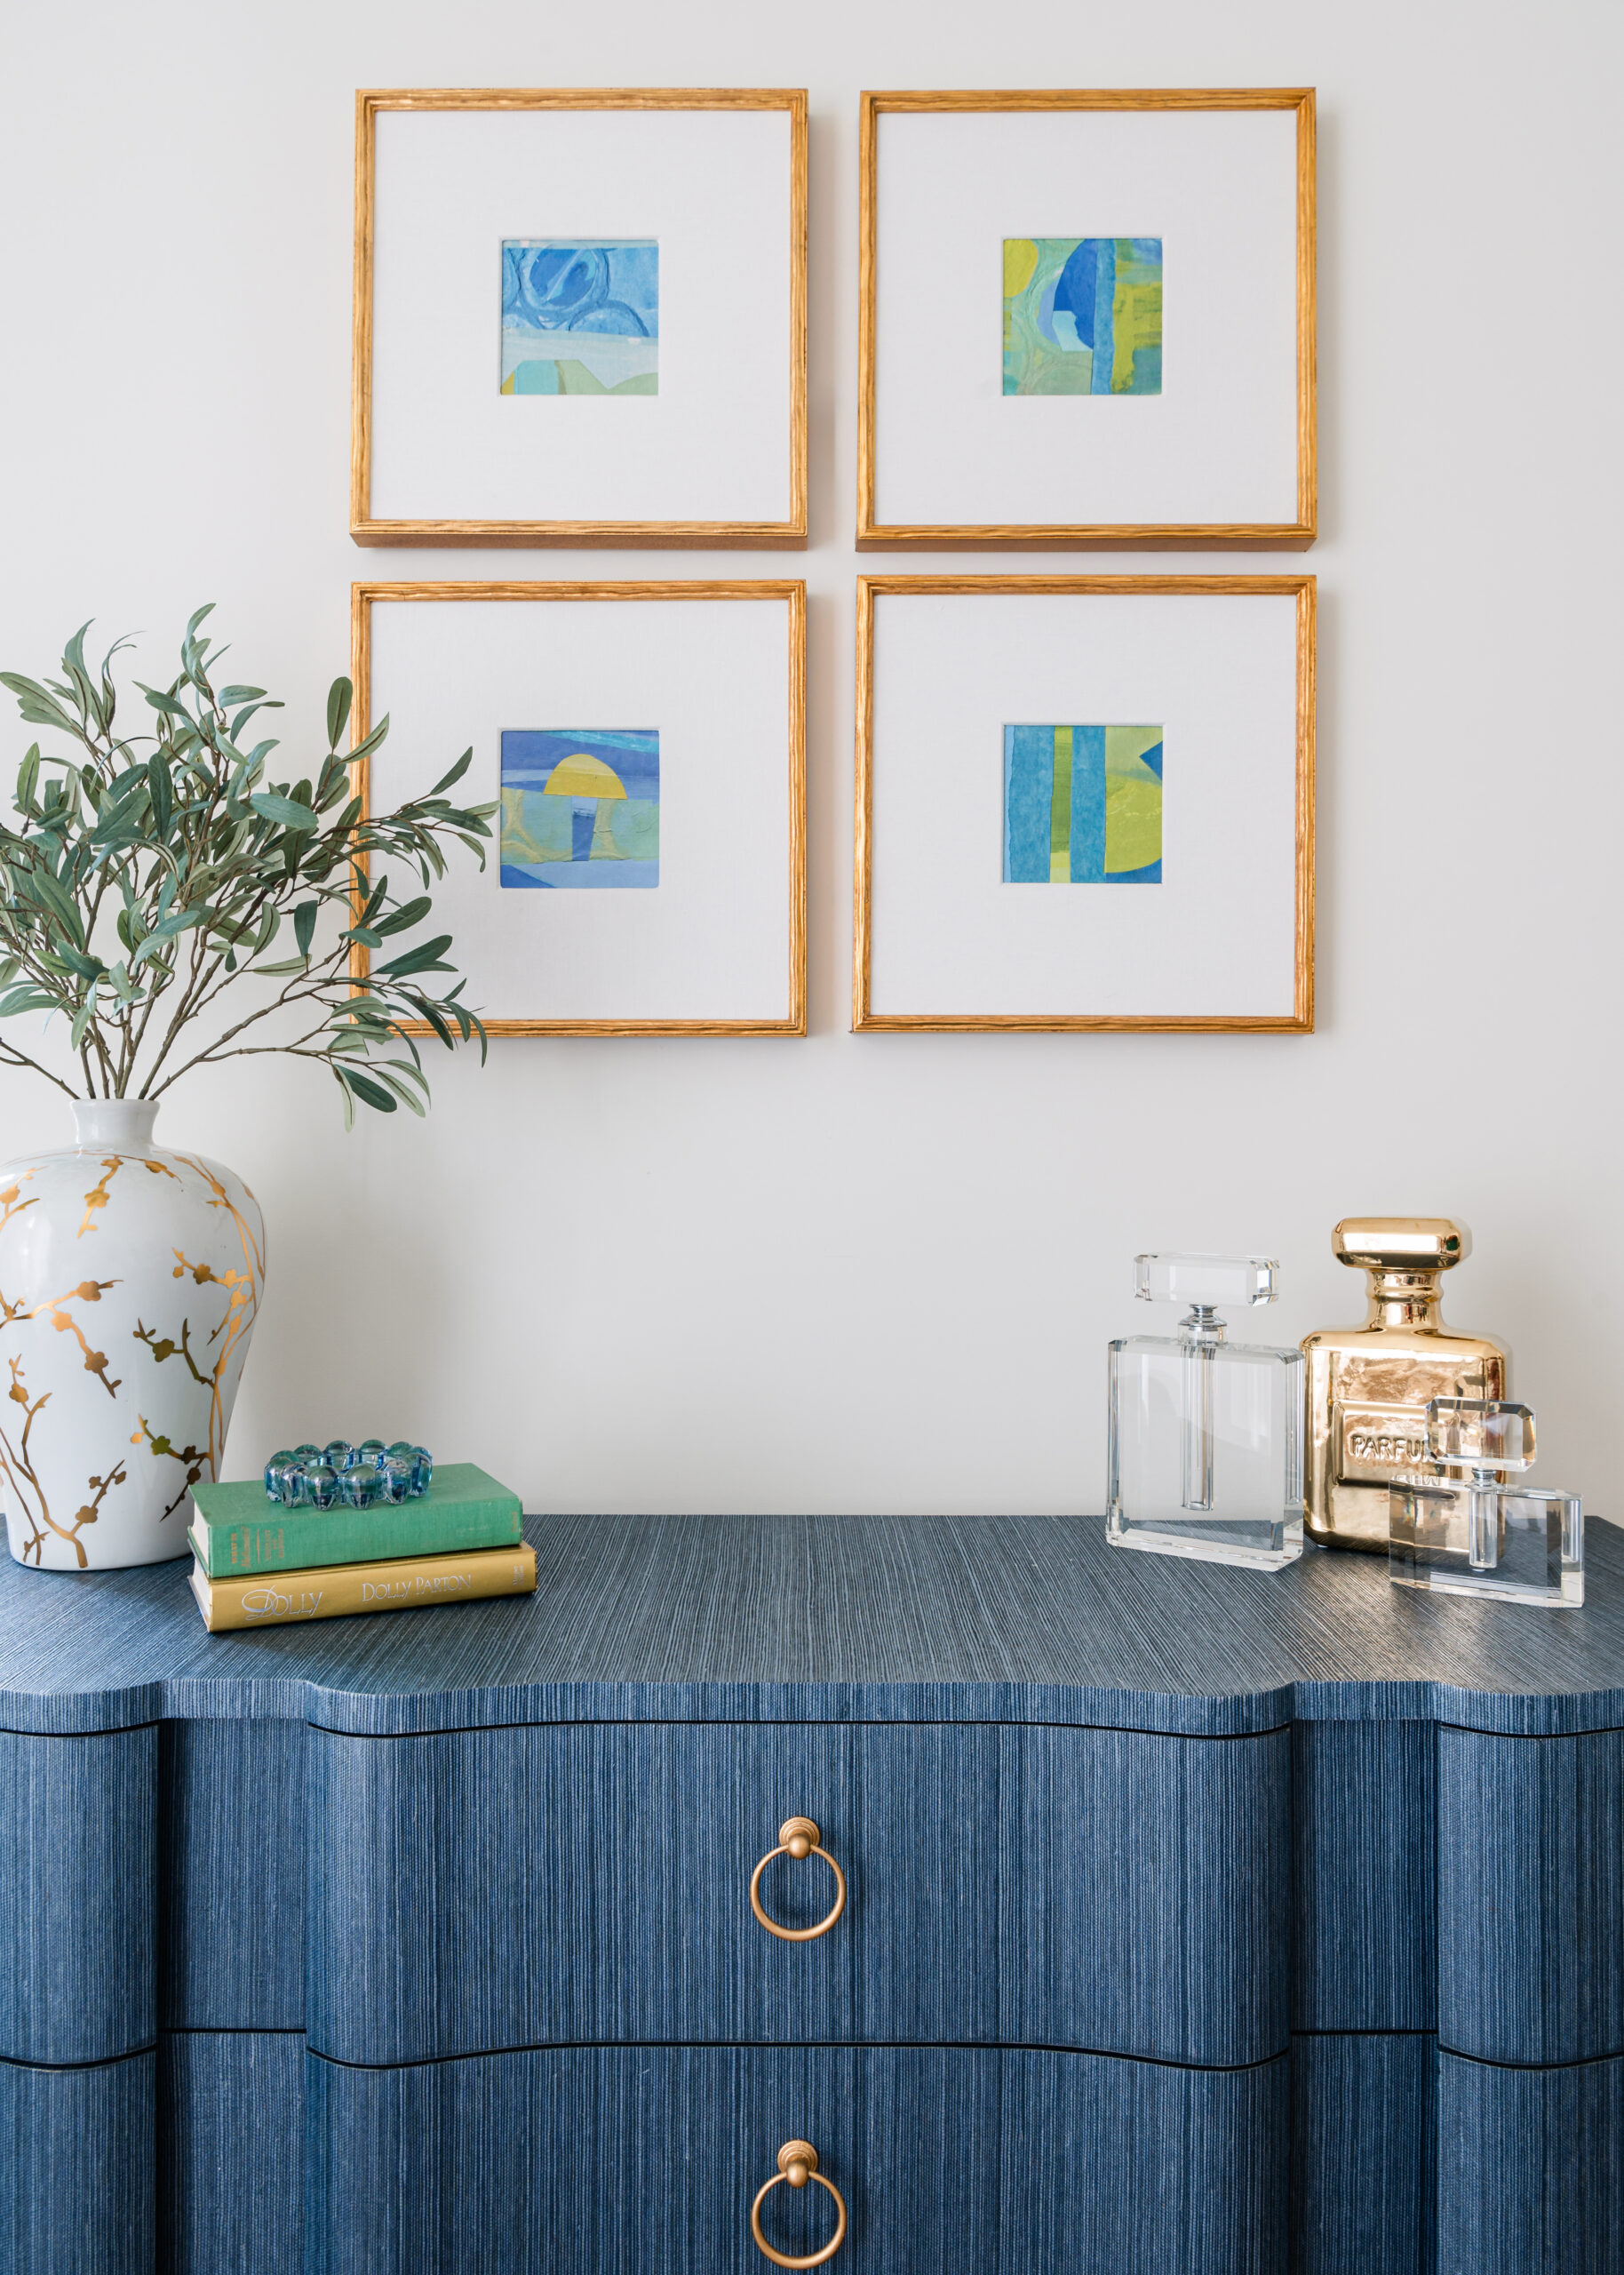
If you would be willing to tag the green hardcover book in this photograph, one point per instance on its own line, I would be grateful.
(235, 1530)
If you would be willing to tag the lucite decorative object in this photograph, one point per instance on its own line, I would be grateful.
(1206, 1436)
(1472, 1534)
(342, 1475)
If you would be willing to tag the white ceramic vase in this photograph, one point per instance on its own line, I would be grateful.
(130, 1281)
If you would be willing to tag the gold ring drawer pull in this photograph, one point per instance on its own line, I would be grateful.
(798, 2164)
(798, 1836)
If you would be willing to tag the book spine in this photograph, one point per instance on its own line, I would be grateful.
(292, 1543)
(334, 1592)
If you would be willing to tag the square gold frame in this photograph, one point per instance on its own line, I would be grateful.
(1148, 537)
(867, 1021)
(789, 535)
(362, 597)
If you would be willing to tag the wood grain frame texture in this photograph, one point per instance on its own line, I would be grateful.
(789, 535)
(864, 1020)
(792, 591)
(1152, 537)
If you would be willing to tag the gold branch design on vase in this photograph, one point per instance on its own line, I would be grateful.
(98, 1196)
(11, 1202)
(88, 1292)
(242, 1307)
(27, 1491)
(195, 1458)
(14, 1457)
(235, 1325)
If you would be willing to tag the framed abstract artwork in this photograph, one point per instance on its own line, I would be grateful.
(580, 317)
(644, 745)
(1085, 802)
(1086, 319)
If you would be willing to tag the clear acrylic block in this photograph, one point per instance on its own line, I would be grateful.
(1474, 1536)
(1205, 1279)
(1205, 1450)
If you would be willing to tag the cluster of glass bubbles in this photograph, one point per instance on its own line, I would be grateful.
(339, 1475)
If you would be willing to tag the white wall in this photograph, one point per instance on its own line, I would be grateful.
(879, 1272)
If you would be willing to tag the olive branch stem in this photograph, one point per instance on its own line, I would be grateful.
(134, 841)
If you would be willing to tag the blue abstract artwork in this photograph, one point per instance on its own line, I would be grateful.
(1083, 805)
(1082, 316)
(580, 315)
(580, 806)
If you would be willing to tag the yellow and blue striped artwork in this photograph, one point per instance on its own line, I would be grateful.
(1082, 805)
(1082, 316)
(580, 806)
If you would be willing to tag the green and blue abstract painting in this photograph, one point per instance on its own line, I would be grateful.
(1082, 805)
(580, 316)
(580, 806)
(1082, 316)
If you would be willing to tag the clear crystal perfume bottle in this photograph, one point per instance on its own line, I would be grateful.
(1473, 1534)
(1206, 1436)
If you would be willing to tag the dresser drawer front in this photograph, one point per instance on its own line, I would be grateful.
(570, 1882)
(1364, 2165)
(1146, 1893)
(1530, 1896)
(78, 1872)
(1109, 1890)
(952, 2161)
(1364, 1869)
(231, 1875)
(1103, 1889)
(76, 2168)
(1531, 2169)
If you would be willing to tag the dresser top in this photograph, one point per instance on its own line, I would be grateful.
(835, 1618)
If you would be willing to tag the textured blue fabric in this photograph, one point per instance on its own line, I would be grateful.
(1365, 1871)
(1111, 1827)
(231, 2120)
(1535, 2164)
(77, 2171)
(834, 1619)
(78, 1884)
(585, 1883)
(1530, 1896)
(232, 1899)
(952, 2163)
(1363, 2159)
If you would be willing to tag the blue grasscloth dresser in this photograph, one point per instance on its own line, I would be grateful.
(1200, 1922)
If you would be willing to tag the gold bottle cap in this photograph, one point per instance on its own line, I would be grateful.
(1401, 1243)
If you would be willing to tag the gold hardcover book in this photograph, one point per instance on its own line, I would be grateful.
(333, 1591)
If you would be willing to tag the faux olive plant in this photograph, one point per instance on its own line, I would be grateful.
(153, 872)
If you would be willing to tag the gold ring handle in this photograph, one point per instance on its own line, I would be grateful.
(798, 2164)
(798, 1836)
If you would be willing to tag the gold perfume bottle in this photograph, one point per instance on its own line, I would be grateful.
(1368, 1387)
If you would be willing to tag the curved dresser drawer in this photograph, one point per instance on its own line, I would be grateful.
(950, 2161)
(1530, 1882)
(78, 1873)
(1112, 1891)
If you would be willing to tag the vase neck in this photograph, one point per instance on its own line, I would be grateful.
(125, 1124)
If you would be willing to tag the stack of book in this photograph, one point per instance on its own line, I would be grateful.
(258, 1564)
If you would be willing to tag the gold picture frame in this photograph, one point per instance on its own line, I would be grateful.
(1293, 536)
(865, 1020)
(369, 530)
(365, 596)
